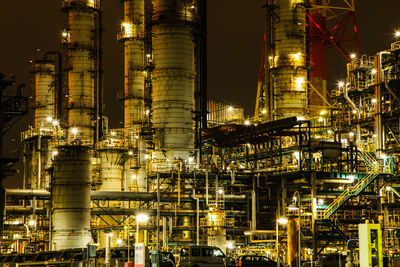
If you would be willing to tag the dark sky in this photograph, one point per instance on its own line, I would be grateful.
(236, 33)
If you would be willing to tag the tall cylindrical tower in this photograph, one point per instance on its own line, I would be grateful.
(44, 92)
(81, 37)
(71, 198)
(289, 70)
(132, 35)
(134, 72)
(173, 76)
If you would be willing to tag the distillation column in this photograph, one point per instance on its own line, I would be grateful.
(44, 92)
(71, 198)
(132, 35)
(44, 125)
(173, 78)
(289, 70)
(81, 42)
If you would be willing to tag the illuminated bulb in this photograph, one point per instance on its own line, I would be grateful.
(133, 176)
(113, 133)
(229, 245)
(299, 81)
(220, 191)
(148, 55)
(297, 56)
(320, 202)
(388, 188)
(146, 156)
(147, 112)
(247, 122)
(282, 221)
(31, 223)
(119, 241)
(74, 130)
(264, 111)
(190, 160)
(374, 136)
(130, 153)
(323, 112)
(110, 234)
(373, 71)
(373, 100)
(142, 217)
(340, 84)
(340, 187)
(55, 123)
(230, 108)
(353, 56)
(55, 153)
(300, 118)
(296, 155)
(320, 119)
(351, 134)
(127, 29)
(330, 132)
(49, 119)
(354, 111)
(397, 34)
(64, 34)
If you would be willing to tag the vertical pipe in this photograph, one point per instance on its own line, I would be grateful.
(165, 234)
(253, 209)
(207, 188)
(158, 211)
(107, 258)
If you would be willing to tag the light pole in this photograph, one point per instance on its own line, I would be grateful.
(296, 206)
(279, 221)
(140, 218)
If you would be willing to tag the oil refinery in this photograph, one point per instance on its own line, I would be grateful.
(311, 179)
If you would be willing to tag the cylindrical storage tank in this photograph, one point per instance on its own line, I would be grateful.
(71, 198)
(82, 68)
(173, 76)
(44, 93)
(289, 72)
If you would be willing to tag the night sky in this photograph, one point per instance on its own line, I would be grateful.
(235, 28)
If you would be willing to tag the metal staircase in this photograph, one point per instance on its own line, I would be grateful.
(373, 170)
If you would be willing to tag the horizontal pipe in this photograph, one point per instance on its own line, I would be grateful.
(116, 195)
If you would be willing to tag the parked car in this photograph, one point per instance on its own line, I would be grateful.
(202, 256)
(254, 261)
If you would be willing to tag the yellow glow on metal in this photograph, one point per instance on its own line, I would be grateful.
(282, 221)
(127, 29)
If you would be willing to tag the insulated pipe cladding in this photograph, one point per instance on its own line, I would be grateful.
(71, 198)
(80, 39)
(289, 71)
(173, 78)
